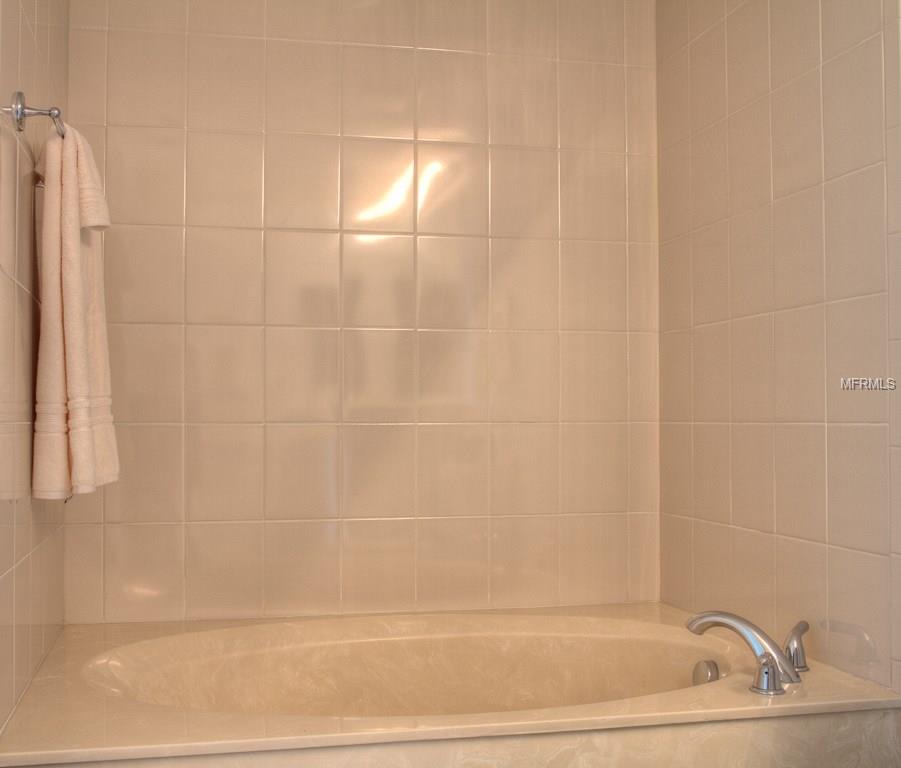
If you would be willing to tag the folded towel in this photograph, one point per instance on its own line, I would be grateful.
(74, 440)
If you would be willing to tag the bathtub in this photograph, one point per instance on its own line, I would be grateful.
(596, 686)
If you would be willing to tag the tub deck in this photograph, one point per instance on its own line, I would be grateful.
(65, 719)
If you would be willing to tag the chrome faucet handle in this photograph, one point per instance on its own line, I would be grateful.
(794, 646)
(767, 681)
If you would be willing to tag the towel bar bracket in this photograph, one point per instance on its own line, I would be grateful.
(18, 110)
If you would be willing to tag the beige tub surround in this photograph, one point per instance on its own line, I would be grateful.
(113, 692)
(74, 439)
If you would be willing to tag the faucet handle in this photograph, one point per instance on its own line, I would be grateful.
(794, 646)
(768, 680)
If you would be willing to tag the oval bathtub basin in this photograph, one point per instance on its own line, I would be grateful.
(446, 664)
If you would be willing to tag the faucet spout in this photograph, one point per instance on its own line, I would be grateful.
(760, 643)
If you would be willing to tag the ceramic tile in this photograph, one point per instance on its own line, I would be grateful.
(797, 135)
(675, 561)
(707, 57)
(524, 469)
(224, 77)
(389, 22)
(710, 273)
(147, 371)
(451, 100)
(378, 92)
(223, 472)
(753, 385)
(859, 586)
(224, 275)
(528, 27)
(800, 358)
(454, 563)
(301, 571)
(452, 189)
(223, 570)
(146, 79)
(591, 30)
(379, 375)
(523, 192)
(592, 286)
(711, 372)
(523, 560)
(301, 181)
(640, 32)
(151, 485)
(378, 564)
(798, 248)
(302, 87)
(801, 571)
(453, 469)
(302, 375)
(144, 274)
(301, 278)
(672, 27)
(453, 25)
(452, 273)
(750, 157)
(87, 76)
(378, 281)
(303, 19)
(676, 275)
(145, 175)
(143, 568)
(844, 26)
(585, 360)
(522, 101)
(751, 262)
(855, 239)
(232, 17)
(591, 195)
(855, 341)
(293, 495)
(794, 39)
(224, 180)
(223, 373)
(753, 463)
(644, 394)
(83, 574)
(593, 468)
(524, 275)
(710, 175)
(800, 481)
(747, 45)
(711, 462)
(377, 185)
(641, 110)
(852, 109)
(858, 478)
(674, 100)
(453, 375)
(594, 559)
(675, 468)
(524, 376)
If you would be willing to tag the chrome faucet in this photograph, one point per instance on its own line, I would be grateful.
(773, 667)
(794, 647)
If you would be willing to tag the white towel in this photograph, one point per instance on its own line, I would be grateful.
(74, 440)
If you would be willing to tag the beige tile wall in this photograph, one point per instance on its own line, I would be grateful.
(780, 197)
(33, 59)
(382, 284)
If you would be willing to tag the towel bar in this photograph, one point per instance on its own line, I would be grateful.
(18, 110)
